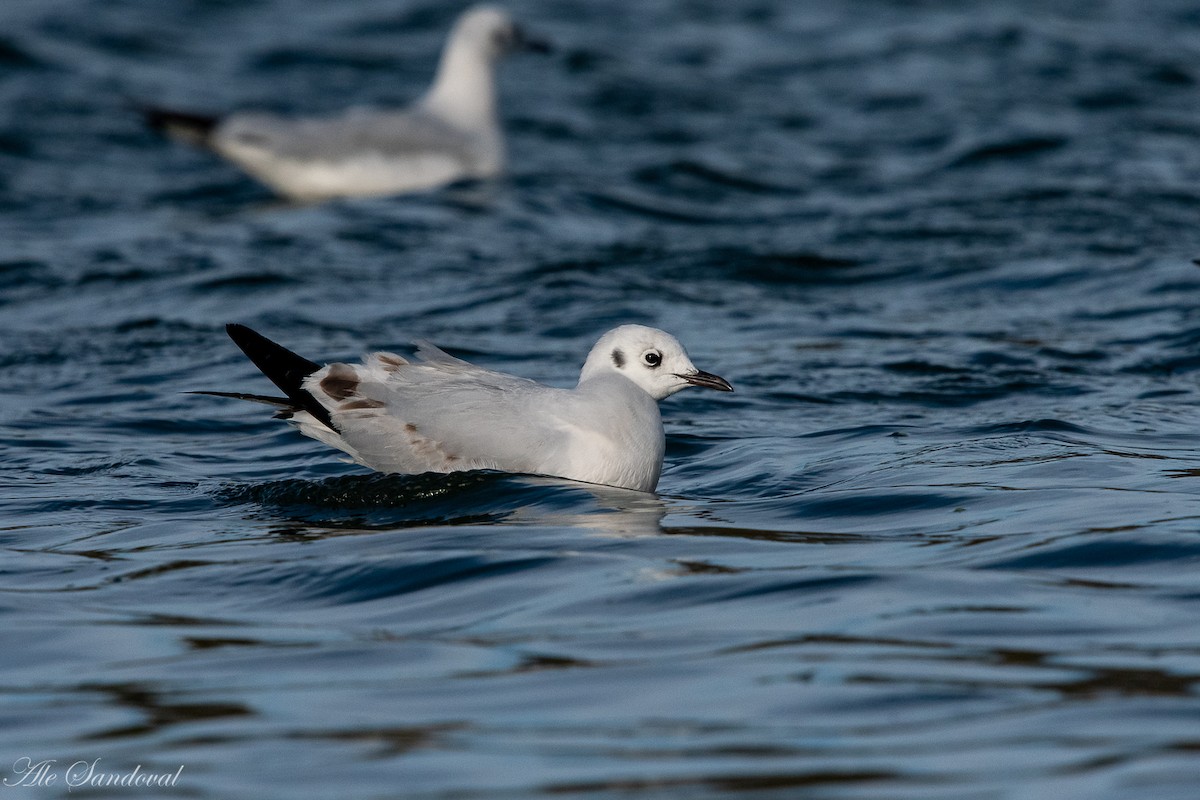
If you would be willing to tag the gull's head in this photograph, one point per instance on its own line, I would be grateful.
(490, 31)
(652, 359)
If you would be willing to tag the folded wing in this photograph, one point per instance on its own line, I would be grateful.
(438, 414)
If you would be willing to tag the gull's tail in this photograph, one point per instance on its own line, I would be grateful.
(195, 129)
(286, 369)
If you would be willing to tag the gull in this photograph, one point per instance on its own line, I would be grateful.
(451, 133)
(439, 413)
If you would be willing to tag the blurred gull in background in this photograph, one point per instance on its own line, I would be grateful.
(451, 133)
(443, 414)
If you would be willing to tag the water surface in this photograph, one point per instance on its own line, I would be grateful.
(941, 543)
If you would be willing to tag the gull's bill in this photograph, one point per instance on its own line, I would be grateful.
(707, 380)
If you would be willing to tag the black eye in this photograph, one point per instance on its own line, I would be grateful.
(653, 358)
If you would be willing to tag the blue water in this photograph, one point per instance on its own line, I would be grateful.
(942, 542)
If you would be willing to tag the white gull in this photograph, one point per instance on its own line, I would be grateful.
(452, 133)
(442, 414)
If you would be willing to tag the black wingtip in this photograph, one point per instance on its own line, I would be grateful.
(286, 369)
(193, 128)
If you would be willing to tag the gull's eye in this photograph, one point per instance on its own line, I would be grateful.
(652, 358)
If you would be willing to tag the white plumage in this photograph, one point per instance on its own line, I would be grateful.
(451, 133)
(438, 413)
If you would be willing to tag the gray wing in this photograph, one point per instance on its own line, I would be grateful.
(389, 134)
(443, 414)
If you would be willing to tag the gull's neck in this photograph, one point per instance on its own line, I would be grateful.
(608, 381)
(464, 88)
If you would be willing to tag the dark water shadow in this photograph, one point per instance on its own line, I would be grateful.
(385, 502)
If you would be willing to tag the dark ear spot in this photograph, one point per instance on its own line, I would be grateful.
(618, 358)
(505, 38)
